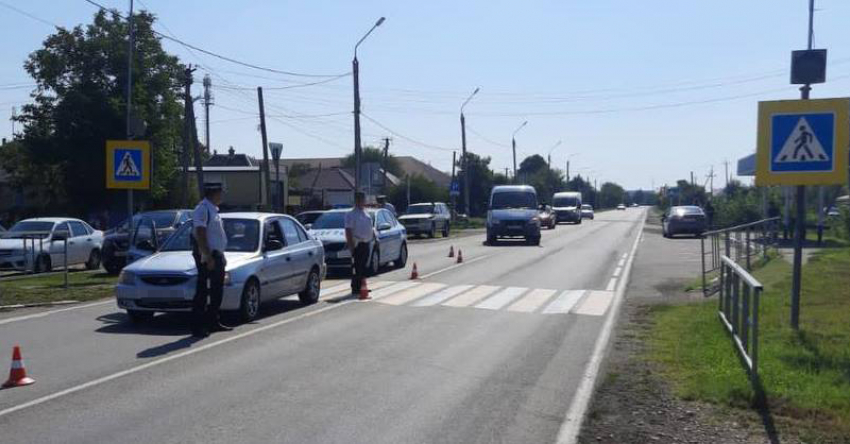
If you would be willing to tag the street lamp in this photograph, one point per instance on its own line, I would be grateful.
(356, 74)
(549, 156)
(463, 151)
(568, 169)
(513, 144)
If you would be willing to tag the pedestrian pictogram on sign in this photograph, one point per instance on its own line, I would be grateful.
(802, 144)
(128, 164)
(127, 168)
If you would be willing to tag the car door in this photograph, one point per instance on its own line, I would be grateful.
(61, 232)
(301, 255)
(81, 241)
(143, 241)
(275, 268)
(388, 235)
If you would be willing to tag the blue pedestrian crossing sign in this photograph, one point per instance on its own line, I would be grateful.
(803, 142)
(128, 164)
(454, 188)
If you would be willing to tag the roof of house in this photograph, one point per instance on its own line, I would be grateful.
(410, 165)
(231, 159)
(326, 178)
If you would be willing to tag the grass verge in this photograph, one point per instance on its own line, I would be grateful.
(82, 286)
(806, 374)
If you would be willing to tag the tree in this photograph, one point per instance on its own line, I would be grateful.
(79, 103)
(480, 183)
(611, 195)
(421, 190)
(375, 155)
(532, 165)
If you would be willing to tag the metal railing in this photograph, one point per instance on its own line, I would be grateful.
(34, 247)
(738, 311)
(740, 243)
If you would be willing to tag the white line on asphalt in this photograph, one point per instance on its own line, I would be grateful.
(612, 284)
(455, 266)
(502, 298)
(617, 271)
(411, 294)
(595, 304)
(565, 302)
(532, 301)
(472, 296)
(158, 362)
(568, 434)
(622, 262)
(50, 312)
(377, 294)
(441, 296)
(625, 255)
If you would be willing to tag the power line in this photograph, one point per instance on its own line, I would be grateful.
(484, 138)
(27, 14)
(299, 85)
(402, 136)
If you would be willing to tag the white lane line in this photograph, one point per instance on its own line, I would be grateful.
(622, 263)
(50, 312)
(502, 298)
(625, 255)
(612, 284)
(532, 301)
(471, 296)
(617, 271)
(158, 362)
(386, 291)
(433, 273)
(412, 294)
(441, 296)
(565, 302)
(570, 428)
(338, 290)
(595, 304)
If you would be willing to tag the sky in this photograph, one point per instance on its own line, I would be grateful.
(641, 93)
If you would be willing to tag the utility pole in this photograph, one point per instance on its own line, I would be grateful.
(14, 116)
(507, 176)
(692, 179)
(463, 157)
(408, 190)
(726, 173)
(199, 164)
(264, 170)
(355, 71)
(454, 178)
(711, 183)
(386, 162)
(207, 103)
(187, 132)
(131, 44)
(568, 174)
(513, 144)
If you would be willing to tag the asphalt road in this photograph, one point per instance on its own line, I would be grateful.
(496, 349)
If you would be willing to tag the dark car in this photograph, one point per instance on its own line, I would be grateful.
(308, 217)
(547, 217)
(116, 241)
(683, 220)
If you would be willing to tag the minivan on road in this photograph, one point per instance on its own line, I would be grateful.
(567, 206)
(513, 212)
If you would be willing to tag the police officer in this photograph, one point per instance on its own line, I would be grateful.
(208, 245)
(359, 234)
(382, 203)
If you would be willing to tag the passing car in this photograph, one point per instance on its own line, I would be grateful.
(390, 247)
(567, 206)
(587, 211)
(513, 212)
(683, 220)
(39, 245)
(117, 242)
(547, 217)
(621, 207)
(308, 217)
(268, 256)
(428, 219)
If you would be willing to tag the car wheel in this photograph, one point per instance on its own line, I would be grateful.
(375, 263)
(112, 267)
(491, 240)
(94, 260)
(578, 222)
(137, 317)
(533, 240)
(250, 303)
(310, 294)
(433, 233)
(42, 264)
(446, 230)
(401, 262)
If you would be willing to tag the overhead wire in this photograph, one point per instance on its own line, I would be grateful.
(407, 138)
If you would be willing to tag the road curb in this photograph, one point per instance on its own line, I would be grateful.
(37, 304)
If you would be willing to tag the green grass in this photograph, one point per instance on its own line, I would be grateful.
(82, 286)
(472, 222)
(806, 374)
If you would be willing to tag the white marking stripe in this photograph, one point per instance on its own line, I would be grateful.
(625, 255)
(471, 296)
(441, 296)
(565, 302)
(17, 365)
(50, 312)
(618, 271)
(622, 263)
(411, 294)
(532, 301)
(502, 298)
(386, 291)
(339, 290)
(595, 304)
(612, 284)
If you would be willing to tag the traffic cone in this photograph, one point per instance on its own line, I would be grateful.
(451, 251)
(364, 291)
(415, 273)
(18, 374)
(459, 256)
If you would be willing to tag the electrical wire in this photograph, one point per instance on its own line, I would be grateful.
(484, 138)
(27, 14)
(402, 136)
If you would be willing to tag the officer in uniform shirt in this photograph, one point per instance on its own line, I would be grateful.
(209, 242)
(382, 203)
(359, 234)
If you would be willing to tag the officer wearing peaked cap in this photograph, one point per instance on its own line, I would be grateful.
(209, 242)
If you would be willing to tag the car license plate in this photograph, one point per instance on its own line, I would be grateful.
(166, 294)
(342, 254)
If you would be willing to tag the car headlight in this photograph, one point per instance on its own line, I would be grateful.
(127, 278)
(227, 280)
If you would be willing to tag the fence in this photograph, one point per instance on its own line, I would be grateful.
(35, 245)
(738, 310)
(740, 243)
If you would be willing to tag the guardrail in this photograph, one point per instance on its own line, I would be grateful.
(738, 310)
(33, 246)
(741, 242)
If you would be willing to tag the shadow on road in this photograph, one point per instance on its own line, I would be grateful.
(170, 324)
(165, 349)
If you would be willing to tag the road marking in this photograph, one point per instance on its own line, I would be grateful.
(502, 298)
(158, 362)
(386, 291)
(622, 262)
(471, 296)
(532, 301)
(570, 428)
(441, 296)
(433, 273)
(565, 302)
(50, 312)
(412, 294)
(625, 256)
(338, 290)
(612, 284)
(595, 304)
(617, 271)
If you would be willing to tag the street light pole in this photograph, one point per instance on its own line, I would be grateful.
(549, 157)
(355, 71)
(130, 47)
(513, 144)
(463, 159)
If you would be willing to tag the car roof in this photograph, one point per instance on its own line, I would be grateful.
(567, 194)
(507, 188)
(251, 215)
(51, 219)
(313, 212)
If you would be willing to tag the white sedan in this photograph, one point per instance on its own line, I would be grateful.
(39, 245)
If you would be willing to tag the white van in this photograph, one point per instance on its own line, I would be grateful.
(567, 207)
(513, 212)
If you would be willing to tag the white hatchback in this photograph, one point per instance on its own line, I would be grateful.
(39, 245)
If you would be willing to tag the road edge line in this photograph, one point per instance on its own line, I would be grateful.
(573, 419)
(42, 314)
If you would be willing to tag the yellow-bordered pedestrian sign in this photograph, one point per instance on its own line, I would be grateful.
(803, 142)
(128, 164)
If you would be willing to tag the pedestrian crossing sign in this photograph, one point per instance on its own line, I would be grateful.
(128, 164)
(803, 142)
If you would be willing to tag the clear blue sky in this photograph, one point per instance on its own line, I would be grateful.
(619, 82)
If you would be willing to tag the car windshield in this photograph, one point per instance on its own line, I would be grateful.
(29, 229)
(690, 211)
(420, 209)
(565, 201)
(243, 235)
(308, 218)
(586, 207)
(162, 219)
(514, 199)
(334, 220)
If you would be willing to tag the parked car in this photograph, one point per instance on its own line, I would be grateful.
(587, 211)
(683, 220)
(513, 212)
(268, 256)
(117, 241)
(391, 245)
(308, 217)
(621, 207)
(547, 217)
(39, 245)
(427, 218)
(567, 206)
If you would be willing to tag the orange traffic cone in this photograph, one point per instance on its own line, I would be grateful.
(364, 291)
(452, 251)
(459, 256)
(415, 273)
(18, 374)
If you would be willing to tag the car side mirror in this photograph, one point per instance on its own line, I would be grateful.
(146, 245)
(273, 245)
(384, 226)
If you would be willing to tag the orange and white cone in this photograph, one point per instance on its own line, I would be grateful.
(459, 256)
(415, 273)
(452, 251)
(18, 375)
(364, 291)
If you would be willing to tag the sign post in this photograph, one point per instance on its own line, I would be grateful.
(276, 149)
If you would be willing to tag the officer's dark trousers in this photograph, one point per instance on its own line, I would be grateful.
(361, 257)
(210, 286)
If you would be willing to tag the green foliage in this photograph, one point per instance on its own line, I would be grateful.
(684, 193)
(611, 195)
(481, 180)
(421, 190)
(532, 165)
(585, 187)
(375, 155)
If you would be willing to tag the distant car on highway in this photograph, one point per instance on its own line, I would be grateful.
(116, 242)
(391, 246)
(308, 217)
(587, 211)
(427, 218)
(683, 220)
(513, 212)
(621, 207)
(39, 244)
(547, 217)
(567, 206)
(268, 256)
